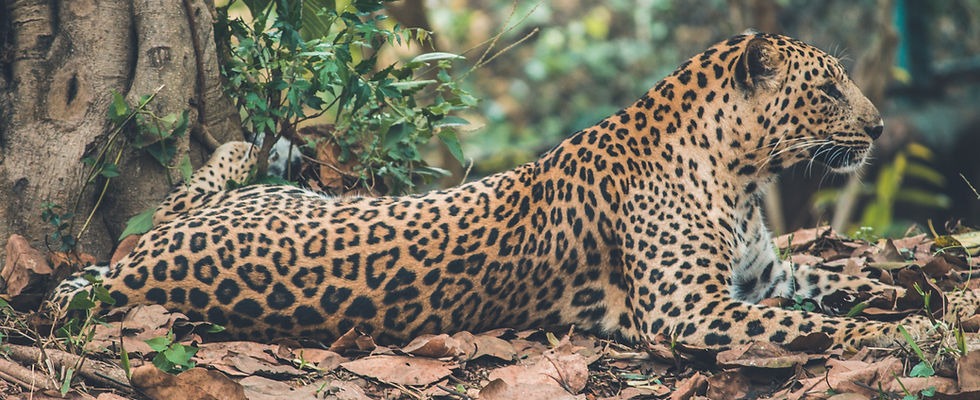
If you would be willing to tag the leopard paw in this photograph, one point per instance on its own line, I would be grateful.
(961, 305)
(889, 335)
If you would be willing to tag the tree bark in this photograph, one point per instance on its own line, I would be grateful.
(60, 61)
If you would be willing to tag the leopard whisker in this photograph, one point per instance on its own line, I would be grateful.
(795, 146)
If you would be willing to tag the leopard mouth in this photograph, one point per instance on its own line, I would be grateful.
(840, 158)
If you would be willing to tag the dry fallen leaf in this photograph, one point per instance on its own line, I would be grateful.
(814, 342)
(434, 346)
(402, 370)
(498, 389)
(124, 248)
(761, 355)
(195, 383)
(260, 388)
(325, 360)
(140, 323)
(727, 385)
(527, 349)
(337, 389)
(889, 253)
(848, 396)
(968, 371)
(485, 344)
(911, 277)
(971, 324)
(110, 396)
(803, 237)
(352, 340)
(23, 265)
(567, 371)
(848, 376)
(687, 388)
(916, 385)
(244, 358)
(70, 260)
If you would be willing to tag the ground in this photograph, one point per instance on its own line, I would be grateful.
(549, 363)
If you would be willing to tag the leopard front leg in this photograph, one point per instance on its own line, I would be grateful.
(758, 273)
(706, 314)
(815, 283)
(707, 298)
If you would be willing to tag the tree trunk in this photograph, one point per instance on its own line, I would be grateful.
(60, 61)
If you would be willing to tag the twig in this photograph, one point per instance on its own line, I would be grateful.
(405, 390)
(971, 186)
(94, 370)
(492, 42)
(24, 377)
(466, 174)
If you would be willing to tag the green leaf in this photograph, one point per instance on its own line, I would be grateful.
(139, 224)
(159, 343)
(118, 110)
(185, 168)
(181, 355)
(552, 340)
(633, 376)
(161, 362)
(124, 360)
(162, 152)
(409, 85)
(181, 127)
(922, 370)
(908, 339)
(169, 119)
(66, 384)
(435, 56)
(450, 120)
(856, 310)
(397, 134)
(468, 100)
(929, 391)
(449, 138)
(80, 301)
(110, 170)
(428, 170)
(102, 294)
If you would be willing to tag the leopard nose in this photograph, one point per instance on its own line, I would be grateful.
(874, 131)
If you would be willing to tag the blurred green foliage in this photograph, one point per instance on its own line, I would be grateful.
(292, 62)
(587, 59)
(891, 187)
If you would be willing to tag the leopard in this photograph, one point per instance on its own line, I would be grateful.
(645, 226)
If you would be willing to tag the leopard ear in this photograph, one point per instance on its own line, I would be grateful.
(759, 66)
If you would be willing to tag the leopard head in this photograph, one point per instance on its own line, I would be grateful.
(808, 108)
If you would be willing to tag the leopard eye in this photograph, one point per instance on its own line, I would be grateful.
(831, 90)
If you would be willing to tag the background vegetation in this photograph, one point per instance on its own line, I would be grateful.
(582, 60)
(565, 65)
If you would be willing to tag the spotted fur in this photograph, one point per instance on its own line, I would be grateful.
(645, 224)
